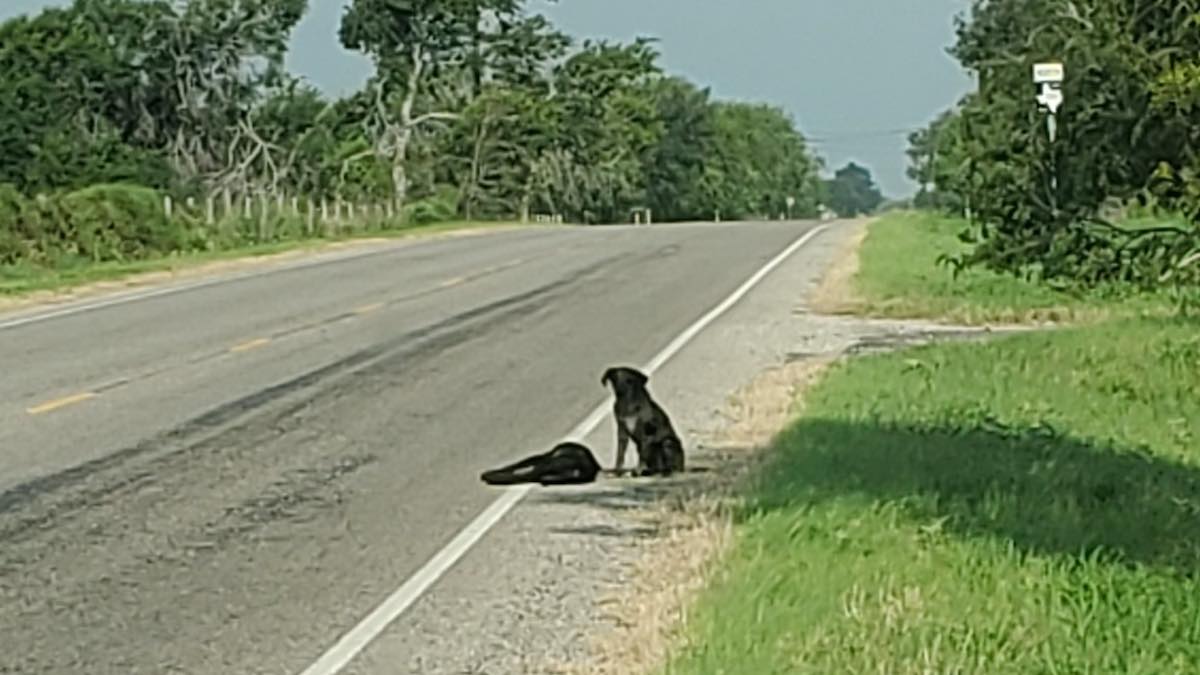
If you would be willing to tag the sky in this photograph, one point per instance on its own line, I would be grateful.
(856, 75)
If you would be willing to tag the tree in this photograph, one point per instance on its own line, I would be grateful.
(604, 121)
(674, 167)
(413, 45)
(852, 192)
(757, 161)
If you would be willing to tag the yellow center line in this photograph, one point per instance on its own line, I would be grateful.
(367, 309)
(251, 344)
(453, 282)
(63, 402)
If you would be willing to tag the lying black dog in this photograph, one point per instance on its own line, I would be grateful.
(565, 464)
(641, 419)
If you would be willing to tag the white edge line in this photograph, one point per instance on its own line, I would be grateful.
(357, 638)
(333, 257)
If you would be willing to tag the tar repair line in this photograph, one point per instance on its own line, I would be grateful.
(354, 641)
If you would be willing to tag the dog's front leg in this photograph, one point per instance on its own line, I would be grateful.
(622, 446)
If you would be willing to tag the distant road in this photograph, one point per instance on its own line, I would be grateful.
(224, 479)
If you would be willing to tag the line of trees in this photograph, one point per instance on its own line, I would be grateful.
(475, 109)
(1127, 141)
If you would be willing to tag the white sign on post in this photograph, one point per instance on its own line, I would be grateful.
(1049, 77)
(1047, 72)
(1051, 98)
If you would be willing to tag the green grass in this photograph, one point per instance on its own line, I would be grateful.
(16, 280)
(899, 277)
(1028, 505)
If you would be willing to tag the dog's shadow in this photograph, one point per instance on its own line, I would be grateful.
(624, 494)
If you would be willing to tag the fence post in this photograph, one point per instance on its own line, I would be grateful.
(167, 205)
(263, 234)
(210, 207)
(312, 217)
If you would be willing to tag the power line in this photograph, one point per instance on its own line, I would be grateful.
(880, 134)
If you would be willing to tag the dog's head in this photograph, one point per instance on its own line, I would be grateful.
(624, 381)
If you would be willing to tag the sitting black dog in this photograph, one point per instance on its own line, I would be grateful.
(565, 464)
(645, 422)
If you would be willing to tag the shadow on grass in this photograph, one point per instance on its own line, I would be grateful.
(1041, 490)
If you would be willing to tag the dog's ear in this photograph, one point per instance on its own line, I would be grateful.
(608, 376)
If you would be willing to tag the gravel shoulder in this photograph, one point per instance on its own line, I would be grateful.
(596, 579)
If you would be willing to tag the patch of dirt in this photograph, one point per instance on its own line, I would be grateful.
(836, 294)
(186, 270)
(693, 529)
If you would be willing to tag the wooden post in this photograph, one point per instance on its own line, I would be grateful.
(167, 205)
(262, 217)
(210, 210)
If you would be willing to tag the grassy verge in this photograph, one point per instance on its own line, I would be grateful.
(899, 277)
(1026, 505)
(16, 281)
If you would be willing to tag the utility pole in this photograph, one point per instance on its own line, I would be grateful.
(1048, 78)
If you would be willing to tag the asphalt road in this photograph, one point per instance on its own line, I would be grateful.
(225, 479)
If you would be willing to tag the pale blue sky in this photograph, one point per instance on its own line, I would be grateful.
(855, 73)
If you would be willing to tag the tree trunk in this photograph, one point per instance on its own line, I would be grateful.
(400, 178)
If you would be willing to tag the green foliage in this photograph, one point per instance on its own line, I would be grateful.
(1129, 132)
(674, 167)
(476, 108)
(757, 161)
(96, 224)
(440, 207)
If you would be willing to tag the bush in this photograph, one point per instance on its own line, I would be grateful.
(117, 223)
(439, 207)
